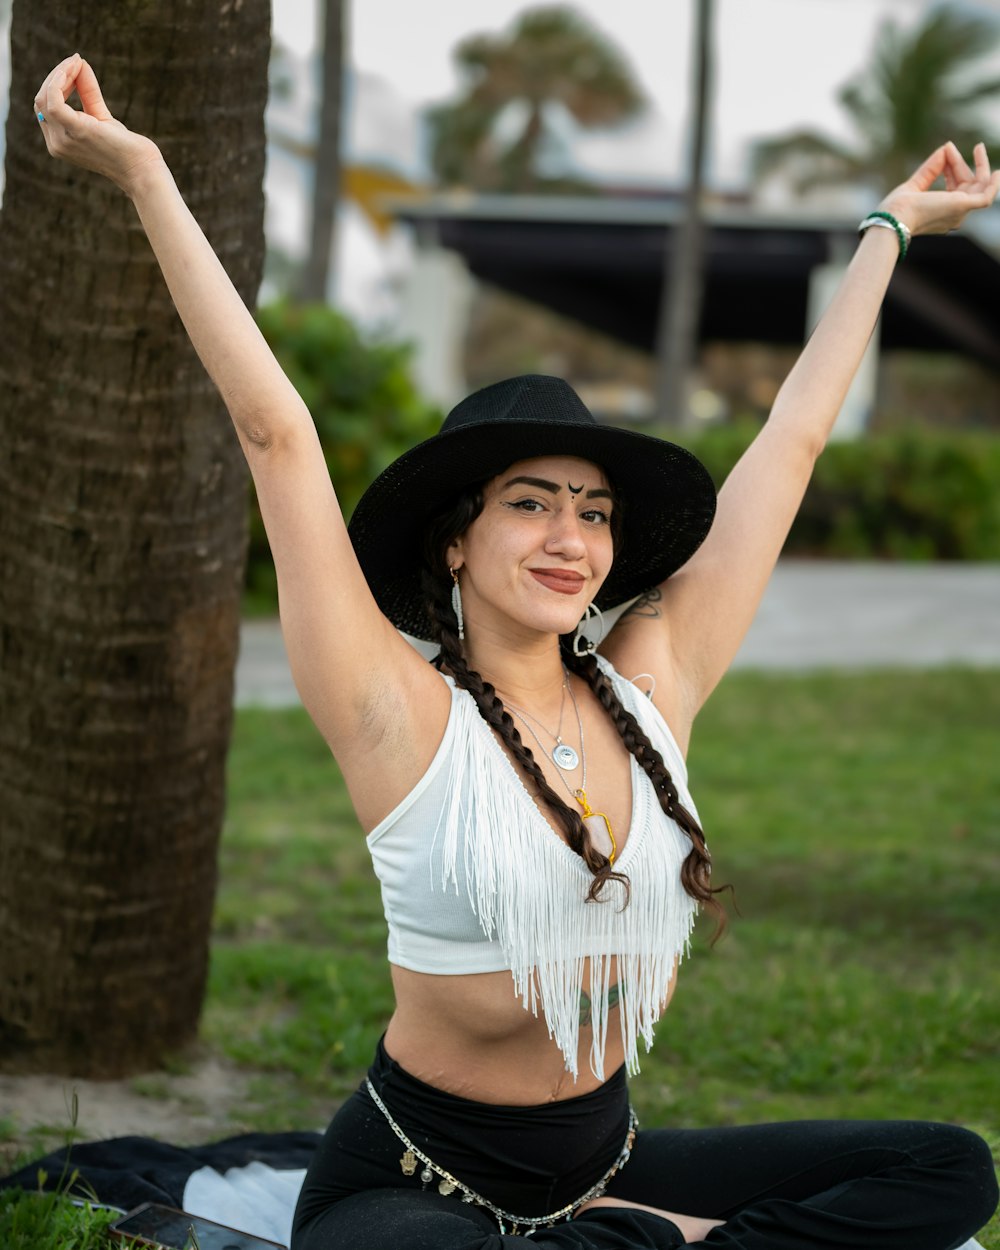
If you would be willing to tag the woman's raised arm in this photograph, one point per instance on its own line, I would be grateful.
(342, 650)
(689, 629)
(260, 399)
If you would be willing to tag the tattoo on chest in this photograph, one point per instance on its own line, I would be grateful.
(587, 1007)
(647, 605)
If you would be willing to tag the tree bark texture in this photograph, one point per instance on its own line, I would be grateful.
(122, 540)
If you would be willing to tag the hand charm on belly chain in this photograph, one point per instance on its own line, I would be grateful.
(515, 1225)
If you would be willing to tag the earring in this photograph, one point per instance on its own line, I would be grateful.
(456, 604)
(589, 632)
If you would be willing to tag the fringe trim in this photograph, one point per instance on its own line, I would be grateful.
(528, 889)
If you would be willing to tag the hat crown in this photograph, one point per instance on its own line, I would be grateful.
(532, 397)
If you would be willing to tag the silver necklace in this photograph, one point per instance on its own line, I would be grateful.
(562, 753)
(583, 781)
(596, 823)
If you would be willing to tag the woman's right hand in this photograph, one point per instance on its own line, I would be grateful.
(92, 139)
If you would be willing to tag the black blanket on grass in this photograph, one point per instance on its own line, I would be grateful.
(235, 1182)
(127, 1171)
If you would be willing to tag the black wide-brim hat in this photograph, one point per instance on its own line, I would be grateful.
(666, 496)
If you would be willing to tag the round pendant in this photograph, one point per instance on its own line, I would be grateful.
(565, 757)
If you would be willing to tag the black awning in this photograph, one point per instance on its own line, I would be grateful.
(602, 263)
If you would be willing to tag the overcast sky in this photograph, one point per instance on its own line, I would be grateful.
(778, 66)
(778, 62)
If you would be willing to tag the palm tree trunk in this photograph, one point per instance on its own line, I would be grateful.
(122, 539)
(326, 184)
(682, 290)
(521, 162)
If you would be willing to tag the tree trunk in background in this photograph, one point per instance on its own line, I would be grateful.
(326, 175)
(681, 297)
(122, 539)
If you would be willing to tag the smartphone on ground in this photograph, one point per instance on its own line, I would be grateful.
(169, 1229)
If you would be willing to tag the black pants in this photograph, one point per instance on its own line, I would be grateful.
(806, 1185)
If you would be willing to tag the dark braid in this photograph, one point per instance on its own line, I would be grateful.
(696, 870)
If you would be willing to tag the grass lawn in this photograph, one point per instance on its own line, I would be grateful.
(857, 816)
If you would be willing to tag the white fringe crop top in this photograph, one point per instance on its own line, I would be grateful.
(474, 879)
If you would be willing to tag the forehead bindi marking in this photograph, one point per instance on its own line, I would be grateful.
(574, 490)
(554, 488)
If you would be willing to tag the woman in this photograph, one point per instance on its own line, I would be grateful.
(526, 806)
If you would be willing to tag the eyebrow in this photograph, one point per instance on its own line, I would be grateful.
(554, 488)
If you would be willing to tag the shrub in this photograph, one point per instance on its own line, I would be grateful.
(365, 406)
(913, 495)
(917, 494)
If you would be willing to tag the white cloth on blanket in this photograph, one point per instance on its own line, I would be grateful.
(259, 1200)
(255, 1199)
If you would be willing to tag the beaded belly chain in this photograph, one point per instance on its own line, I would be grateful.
(515, 1225)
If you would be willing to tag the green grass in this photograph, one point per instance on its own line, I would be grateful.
(63, 1219)
(858, 817)
(35, 1221)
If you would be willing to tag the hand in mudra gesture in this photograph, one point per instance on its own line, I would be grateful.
(965, 189)
(92, 139)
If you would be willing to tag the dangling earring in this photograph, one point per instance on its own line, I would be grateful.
(456, 604)
(589, 632)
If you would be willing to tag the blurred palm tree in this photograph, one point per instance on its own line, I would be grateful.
(551, 57)
(920, 89)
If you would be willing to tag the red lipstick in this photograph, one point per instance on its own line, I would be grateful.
(562, 581)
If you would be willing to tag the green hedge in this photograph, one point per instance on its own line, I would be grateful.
(362, 399)
(916, 495)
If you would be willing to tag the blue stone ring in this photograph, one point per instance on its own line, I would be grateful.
(41, 116)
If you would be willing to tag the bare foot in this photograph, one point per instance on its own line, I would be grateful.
(693, 1227)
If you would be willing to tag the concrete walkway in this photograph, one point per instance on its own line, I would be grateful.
(814, 615)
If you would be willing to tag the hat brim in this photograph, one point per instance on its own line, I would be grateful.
(667, 500)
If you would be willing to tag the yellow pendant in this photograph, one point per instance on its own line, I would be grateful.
(598, 826)
(408, 1163)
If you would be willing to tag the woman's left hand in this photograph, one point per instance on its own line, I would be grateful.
(936, 212)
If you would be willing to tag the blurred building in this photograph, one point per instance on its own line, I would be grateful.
(768, 274)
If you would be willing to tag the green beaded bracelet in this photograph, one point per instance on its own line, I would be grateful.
(881, 218)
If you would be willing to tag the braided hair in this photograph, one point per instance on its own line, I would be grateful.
(696, 871)
(442, 530)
